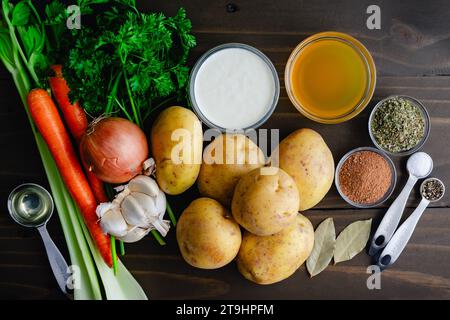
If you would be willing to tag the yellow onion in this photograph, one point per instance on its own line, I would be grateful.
(114, 149)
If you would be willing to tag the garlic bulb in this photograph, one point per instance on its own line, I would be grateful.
(136, 210)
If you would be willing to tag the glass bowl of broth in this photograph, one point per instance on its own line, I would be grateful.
(330, 77)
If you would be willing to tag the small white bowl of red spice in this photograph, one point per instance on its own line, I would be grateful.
(365, 177)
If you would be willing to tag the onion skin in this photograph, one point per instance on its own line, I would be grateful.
(114, 149)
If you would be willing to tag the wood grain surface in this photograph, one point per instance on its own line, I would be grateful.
(412, 55)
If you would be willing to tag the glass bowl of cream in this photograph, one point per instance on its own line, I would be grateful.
(234, 86)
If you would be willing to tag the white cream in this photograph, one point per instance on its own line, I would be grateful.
(234, 88)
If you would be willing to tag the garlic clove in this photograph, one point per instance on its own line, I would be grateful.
(113, 223)
(133, 212)
(102, 208)
(144, 184)
(162, 226)
(149, 166)
(121, 196)
(161, 204)
(147, 203)
(134, 234)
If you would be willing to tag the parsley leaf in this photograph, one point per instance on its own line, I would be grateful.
(129, 62)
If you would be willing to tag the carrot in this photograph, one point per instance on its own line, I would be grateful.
(76, 121)
(74, 115)
(96, 186)
(49, 123)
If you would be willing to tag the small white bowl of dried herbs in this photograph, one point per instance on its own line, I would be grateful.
(399, 125)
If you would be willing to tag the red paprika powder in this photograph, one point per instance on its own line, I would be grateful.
(365, 177)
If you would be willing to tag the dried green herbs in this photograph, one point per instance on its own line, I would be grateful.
(398, 125)
(432, 189)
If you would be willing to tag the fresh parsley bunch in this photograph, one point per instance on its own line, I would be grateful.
(128, 62)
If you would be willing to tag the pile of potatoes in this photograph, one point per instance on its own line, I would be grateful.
(240, 190)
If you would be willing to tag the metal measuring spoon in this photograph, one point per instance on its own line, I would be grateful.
(30, 205)
(401, 237)
(392, 217)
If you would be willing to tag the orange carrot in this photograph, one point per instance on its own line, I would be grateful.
(76, 121)
(74, 115)
(97, 186)
(49, 123)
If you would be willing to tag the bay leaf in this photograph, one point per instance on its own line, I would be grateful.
(323, 250)
(352, 240)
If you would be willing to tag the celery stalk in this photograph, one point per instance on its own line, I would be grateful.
(87, 274)
(22, 82)
(89, 288)
(55, 181)
(121, 286)
(85, 262)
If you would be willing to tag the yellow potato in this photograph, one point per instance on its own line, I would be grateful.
(270, 259)
(225, 161)
(305, 156)
(207, 235)
(177, 142)
(264, 203)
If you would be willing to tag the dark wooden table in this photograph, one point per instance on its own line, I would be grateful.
(412, 54)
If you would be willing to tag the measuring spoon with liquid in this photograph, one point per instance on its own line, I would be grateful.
(30, 205)
(401, 237)
(419, 166)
